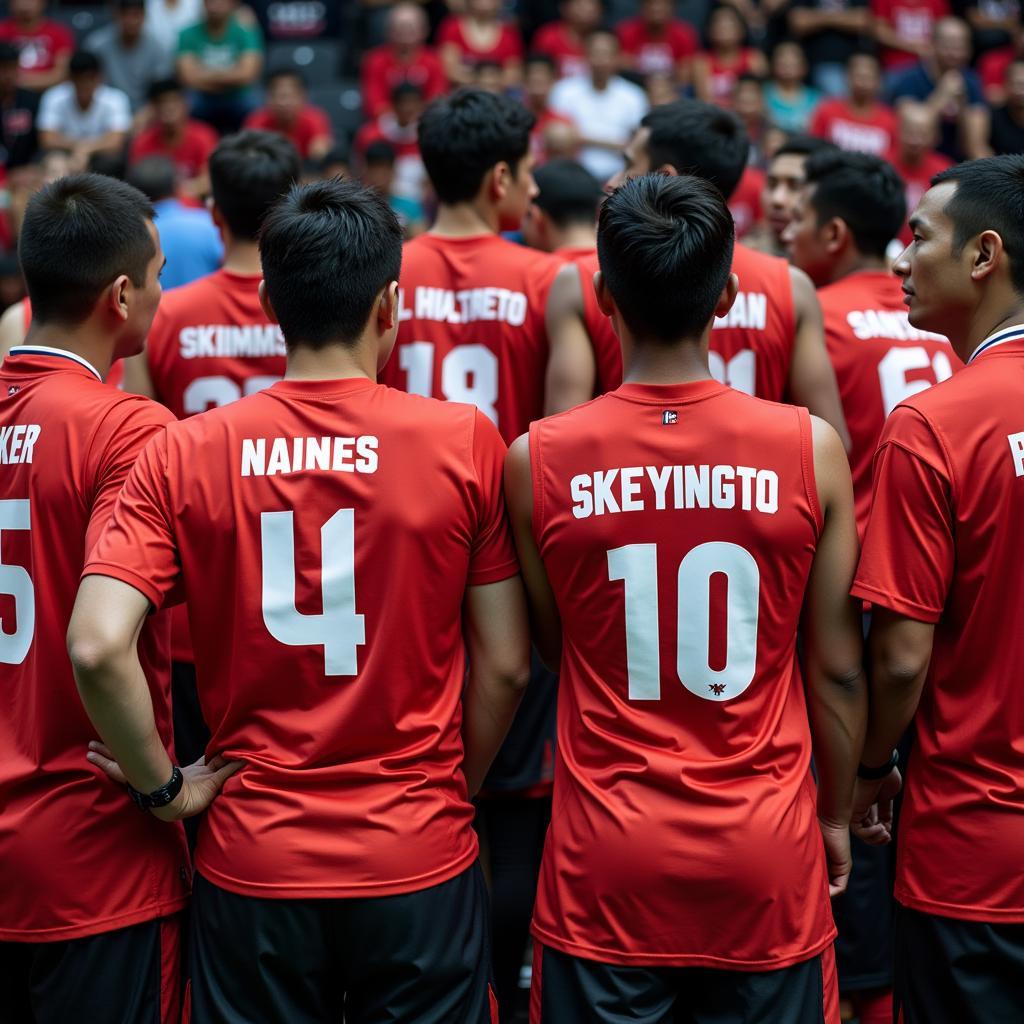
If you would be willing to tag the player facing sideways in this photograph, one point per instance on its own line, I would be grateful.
(851, 208)
(93, 887)
(941, 566)
(770, 342)
(355, 535)
(673, 534)
(472, 319)
(211, 343)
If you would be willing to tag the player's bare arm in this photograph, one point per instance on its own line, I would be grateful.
(901, 650)
(102, 639)
(572, 369)
(812, 381)
(836, 685)
(498, 641)
(545, 624)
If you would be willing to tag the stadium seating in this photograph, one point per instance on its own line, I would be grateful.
(319, 60)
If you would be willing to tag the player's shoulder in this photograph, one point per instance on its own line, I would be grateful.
(745, 258)
(423, 413)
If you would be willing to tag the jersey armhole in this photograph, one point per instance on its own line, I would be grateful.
(807, 465)
(537, 480)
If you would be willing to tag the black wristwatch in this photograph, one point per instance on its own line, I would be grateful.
(159, 797)
(874, 774)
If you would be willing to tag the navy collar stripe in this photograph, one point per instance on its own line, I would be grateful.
(60, 353)
(1015, 333)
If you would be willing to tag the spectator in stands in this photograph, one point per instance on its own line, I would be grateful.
(994, 23)
(336, 163)
(190, 240)
(44, 46)
(379, 174)
(220, 59)
(83, 115)
(289, 113)
(479, 33)
(565, 39)
(539, 76)
(830, 31)
(745, 202)
(945, 81)
(605, 108)
(166, 19)
(173, 134)
(658, 43)
(133, 59)
(748, 105)
(915, 157)
(661, 88)
(993, 65)
(489, 76)
(562, 217)
(904, 28)
(398, 127)
(18, 109)
(403, 58)
(861, 123)
(789, 101)
(716, 71)
(1007, 134)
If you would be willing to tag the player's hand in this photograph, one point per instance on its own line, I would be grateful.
(872, 815)
(202, 781)
(837, 855)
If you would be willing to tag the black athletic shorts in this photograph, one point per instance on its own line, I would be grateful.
(420, 958)
(950, 971)
(570, 990)
(128, 976)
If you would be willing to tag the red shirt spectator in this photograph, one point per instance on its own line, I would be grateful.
(403, 58)
(914, 155)
(870, 131)
(288, 112)
(563, 40)
(539, 78)
(716, 72)
(992, 68)
(904, 28)
(466, 39)
(45, 46)
(657, 43)
(190, 151)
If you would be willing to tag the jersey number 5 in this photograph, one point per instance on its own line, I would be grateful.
(637, 566)
(14, 580)
(338, 629)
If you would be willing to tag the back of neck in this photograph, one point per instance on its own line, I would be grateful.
(242, 257)
(466, 220)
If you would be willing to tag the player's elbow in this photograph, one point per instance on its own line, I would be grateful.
(92, 650)
(897, 666)
(515, 675)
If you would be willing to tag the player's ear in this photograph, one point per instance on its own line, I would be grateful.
(265, 305)
(987, 255)
(728, 296)
(387, 308)
(117, 296)
(499, 177)
(604, 296)
(669, 170)
(836, 233)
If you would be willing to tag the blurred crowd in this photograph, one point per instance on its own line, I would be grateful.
(144, 88)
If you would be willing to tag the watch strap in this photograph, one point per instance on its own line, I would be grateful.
(159, 797)
(869, 774)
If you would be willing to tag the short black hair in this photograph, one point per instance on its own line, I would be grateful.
(406, 89)
(700, 139)
(248, 172)
(862, 190)
(130, 5)
(655, 233)
(798, 144)
(328, 249)
(542, 58)
(9, 53)
(84, 63)
(464, 135)
(567, 192)
(337, 154)
(380, 152)
(164, 86)
(293, 73)
(79, 234)
(155, 177)
(989, 196)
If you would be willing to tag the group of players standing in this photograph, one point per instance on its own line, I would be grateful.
(362, 574)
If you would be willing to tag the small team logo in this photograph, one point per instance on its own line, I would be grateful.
(668, 417)
(717, 688)
(12, 390)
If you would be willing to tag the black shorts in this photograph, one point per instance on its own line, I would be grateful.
(570, 990)
(190, 731)
(420, 958)
(128, 976)
(950, 971)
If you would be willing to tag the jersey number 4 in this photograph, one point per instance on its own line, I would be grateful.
(339, 629)
(637, 566)
(15, 581)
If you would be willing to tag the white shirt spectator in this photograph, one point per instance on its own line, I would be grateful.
(610, 115)
(166, 18)
(110, 111)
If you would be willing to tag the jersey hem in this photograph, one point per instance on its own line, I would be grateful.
(897, 604)
(166, 908)
(133, 579)
(681, 959)
(961, 913)
(503, 572)
(278, 891)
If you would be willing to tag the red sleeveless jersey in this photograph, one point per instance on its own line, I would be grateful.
(678, 525)
(944, 545)
(751, 348)
(879, 360)
(472, 326)
(78, 857)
